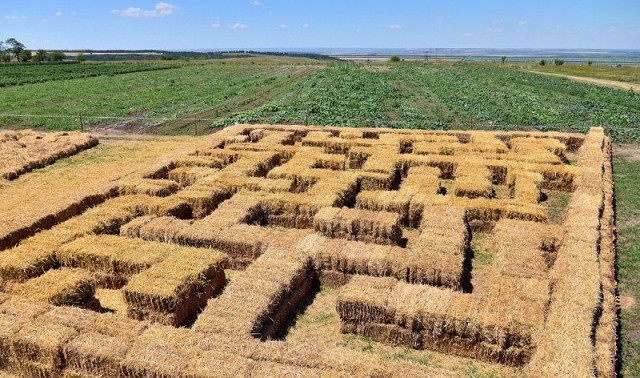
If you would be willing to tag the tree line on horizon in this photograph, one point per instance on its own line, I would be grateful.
(12, 49)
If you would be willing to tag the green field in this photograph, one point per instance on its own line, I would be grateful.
(163, 97)
(19, 74)
(627, 181)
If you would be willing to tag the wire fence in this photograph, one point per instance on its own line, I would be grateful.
(199, 125)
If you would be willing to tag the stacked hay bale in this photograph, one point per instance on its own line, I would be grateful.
(566, 345)
(362, 225)
(174, 290)
(424, 317)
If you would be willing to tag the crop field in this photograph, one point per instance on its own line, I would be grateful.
(20, 74)
(180, 96)
(273, 250)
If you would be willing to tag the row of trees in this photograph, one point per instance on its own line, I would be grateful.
(13, 49)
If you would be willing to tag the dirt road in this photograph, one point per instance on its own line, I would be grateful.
(602, 82)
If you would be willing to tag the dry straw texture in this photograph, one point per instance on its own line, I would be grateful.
(24, 151)
(386, 216)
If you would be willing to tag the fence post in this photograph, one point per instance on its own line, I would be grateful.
(196, 125)
(81, 124)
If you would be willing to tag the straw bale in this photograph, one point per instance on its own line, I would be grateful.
(378, 181)
(186, 176)
(427, 317)
(201, 161)
(351, 134)
(58, 286)
(30, 259)
(525, 185)
(73, 317)
(151, 187)
(363, 225)
(382, 161)
(177, 287)
(259, 302)
(256, 134)
(161, 352)
(9, 327)
(41, 343)
(272, 137)
(72, 373)
(333, 279)
(389, 201)
(132, 228)
(605, 345)
(237, 139)
(117, 326)
(330, 161)
(112, 254)
(96, 354)
(203, 201)
(220, 364)
(565, 346)
(365, 300)
(357, 156)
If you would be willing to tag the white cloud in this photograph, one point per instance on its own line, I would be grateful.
(636, 32)
(256, 3)
(466, 35)
(238, 25)
(160, 10)
(305, 25)
(216, 24)
(44, 20)
(494, 30)
(523, 23)
(395, 27)
(59, 14)
(73, 13)
(15, 18)
(283, 26)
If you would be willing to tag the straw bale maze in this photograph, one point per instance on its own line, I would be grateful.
(493, 246)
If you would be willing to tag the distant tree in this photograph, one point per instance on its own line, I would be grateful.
(542, 62)
(558, 62)
(394, 59)
(590, 62)
(56, 56)
(39, 56)
(4, 57)
(15, 47)
(80, 58)
(166, 57)
(503, 59)
(24, 56)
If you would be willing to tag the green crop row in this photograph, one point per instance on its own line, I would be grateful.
(20, 74)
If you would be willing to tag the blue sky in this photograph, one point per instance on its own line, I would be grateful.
(187, 24)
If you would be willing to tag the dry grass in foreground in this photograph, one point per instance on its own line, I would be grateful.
(24, 151)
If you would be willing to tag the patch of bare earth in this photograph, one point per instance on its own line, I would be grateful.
(603, 82)
(627, 151)
(626, 302)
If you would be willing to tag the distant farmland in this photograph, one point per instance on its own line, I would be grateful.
(176, 97)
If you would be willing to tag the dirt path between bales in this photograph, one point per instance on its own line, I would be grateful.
(603, 82)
